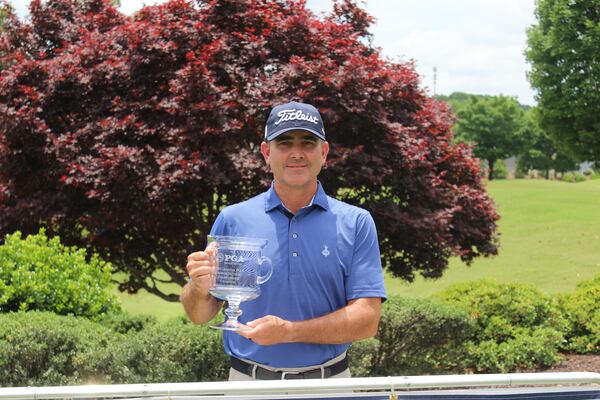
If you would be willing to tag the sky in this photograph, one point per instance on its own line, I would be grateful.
(476, 46)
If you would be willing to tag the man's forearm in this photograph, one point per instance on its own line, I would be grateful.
(199, 308)
(358, 320)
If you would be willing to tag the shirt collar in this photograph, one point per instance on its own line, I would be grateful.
(272, 201)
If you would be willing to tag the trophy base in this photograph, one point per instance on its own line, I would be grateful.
(231, 326)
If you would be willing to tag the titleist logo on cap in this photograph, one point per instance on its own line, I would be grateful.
(293, 114)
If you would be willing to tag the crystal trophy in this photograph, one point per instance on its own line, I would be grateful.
(239, 264)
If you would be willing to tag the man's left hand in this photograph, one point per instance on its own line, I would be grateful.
(268, 330)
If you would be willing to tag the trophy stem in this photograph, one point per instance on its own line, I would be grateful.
(232, 312)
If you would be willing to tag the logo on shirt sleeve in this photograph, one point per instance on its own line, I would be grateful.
(325, 251)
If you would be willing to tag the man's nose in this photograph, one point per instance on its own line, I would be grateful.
(297, 151)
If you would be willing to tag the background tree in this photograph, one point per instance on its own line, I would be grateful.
(2, 15)
(127, 135)
(494, 125)
(563, 49)
(458, 100)
(4, 10)
(543, 154)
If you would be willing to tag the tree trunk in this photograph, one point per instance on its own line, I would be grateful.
(491, 162)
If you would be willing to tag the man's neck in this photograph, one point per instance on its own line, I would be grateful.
(295, 198)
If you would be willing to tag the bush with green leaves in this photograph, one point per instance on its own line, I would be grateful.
(482, 326)
(123, 322)
(500, 170)
(416, 336)
(176, 351)
(573, 177)
(42, 348)
(520, 174)
(39, 273)
(519, 328)
(45, 349)
(582, 310)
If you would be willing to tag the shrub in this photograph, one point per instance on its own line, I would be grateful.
(176, 351)
(518, 327)
(38, 273)
(573, 177)
(582, 310)
(361, 356)
(526, 351)
(124, 322)
(43, 349)
(414, 337)
(520, 174)
(500, 170)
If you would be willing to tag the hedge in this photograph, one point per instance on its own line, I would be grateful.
(582, 311)
(175, 351)
(41, 348)
(519, 328)
(415, 337)
(45, 349)
(478, 326)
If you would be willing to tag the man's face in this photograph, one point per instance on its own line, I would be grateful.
(295, 158)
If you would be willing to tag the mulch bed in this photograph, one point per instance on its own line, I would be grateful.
(578, 363)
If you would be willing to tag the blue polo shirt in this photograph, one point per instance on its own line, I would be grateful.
(323, 256)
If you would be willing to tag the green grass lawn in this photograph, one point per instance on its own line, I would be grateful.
(550, 237)
(146, 303)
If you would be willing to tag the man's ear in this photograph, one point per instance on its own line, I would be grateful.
(266, 151)
(325, 150)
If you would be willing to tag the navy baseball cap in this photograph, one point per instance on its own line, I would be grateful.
(294, 116)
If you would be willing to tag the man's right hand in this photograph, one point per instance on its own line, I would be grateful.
(202, 268)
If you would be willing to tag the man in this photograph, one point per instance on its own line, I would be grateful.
(327, 283)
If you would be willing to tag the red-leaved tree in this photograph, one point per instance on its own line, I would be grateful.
(127, 135)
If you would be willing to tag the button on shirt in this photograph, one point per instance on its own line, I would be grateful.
(323, 256)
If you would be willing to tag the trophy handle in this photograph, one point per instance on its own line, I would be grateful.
(264, 278)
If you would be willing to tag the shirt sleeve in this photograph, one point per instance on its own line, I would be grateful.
(219, 226)
(366, 276)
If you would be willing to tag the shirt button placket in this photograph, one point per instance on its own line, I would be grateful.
(294, 247)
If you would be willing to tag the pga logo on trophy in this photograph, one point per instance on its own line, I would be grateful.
(238, 278)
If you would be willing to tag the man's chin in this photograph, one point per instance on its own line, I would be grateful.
(298, 183)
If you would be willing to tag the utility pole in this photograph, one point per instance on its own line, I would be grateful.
(434, 80)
